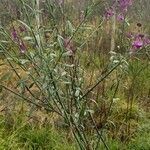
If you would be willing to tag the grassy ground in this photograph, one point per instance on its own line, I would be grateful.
(22, 135)
(60, 95)
(22, 128)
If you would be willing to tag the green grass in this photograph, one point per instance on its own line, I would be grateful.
(26, 136)
(117, 105)
(21, 135)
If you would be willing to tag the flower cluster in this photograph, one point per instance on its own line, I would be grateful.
(16, 38)
(138, 41)
(109, 12)
(122, 7)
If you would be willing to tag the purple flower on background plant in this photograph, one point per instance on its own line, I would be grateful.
(140, 36)
(139, 41)
(22, 47)
(120, 17)
(137, 44)
(121, 6)
(18, 39)
(109, 13)
(124, 4)
(14, 34)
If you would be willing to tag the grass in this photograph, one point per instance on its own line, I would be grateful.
(61, 88)
(127, 127)
(25, 135)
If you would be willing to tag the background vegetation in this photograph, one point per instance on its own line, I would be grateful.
(74, 74)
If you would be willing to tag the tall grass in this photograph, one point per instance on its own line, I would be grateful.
(93, 99)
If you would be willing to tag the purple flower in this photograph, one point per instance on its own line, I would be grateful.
(14, 34)
(109, 13)
(137, 44)
(120, 17)
(124, 4)
(139, 41)
(140, 36)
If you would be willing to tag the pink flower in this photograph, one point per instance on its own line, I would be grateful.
(14, 34)
(141, 36)
(109, 13)
(137, 44)
(124, 4)
(138, 41)
(120, 17)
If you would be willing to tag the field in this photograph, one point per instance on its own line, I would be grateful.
(74, 75)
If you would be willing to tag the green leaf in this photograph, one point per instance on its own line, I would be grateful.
(25, 25)
(70, 27)
(60, 42)
(5, 41)
(68, 53)
(27, 38)
(23, 61)
(32, 55)
(67, 65)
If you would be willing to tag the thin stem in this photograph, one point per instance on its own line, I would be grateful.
(30, 101)
(102, 78)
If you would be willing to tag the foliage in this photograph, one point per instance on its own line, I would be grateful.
(90, 73)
